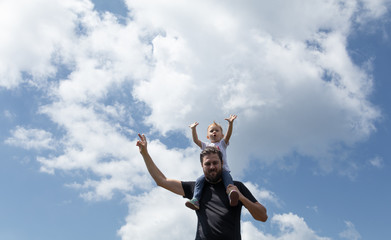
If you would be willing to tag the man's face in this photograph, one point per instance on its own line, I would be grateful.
(212, 167)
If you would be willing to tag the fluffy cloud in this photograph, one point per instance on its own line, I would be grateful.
(290, 79)
(377, 162)
(294, 88)
(294, 227)
(161, 210)
(290, 227)
(37, 139)
(158, 214)
(350, 232)
(262, 194)
(292, 83)
(37, 31)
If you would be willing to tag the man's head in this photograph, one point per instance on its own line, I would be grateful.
(215, 132)
(212, 164)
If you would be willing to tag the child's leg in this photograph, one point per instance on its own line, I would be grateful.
(232, 195)
(199, 185)
(194, 202)
(227, 179)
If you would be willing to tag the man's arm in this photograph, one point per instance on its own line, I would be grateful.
(257, 210)
(194, 134)
(230, 127)
(172, 185)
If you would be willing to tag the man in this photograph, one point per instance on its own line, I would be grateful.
(217, 220)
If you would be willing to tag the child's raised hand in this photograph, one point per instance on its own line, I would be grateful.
(231, 118)
(193, 125)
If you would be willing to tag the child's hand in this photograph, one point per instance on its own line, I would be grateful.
(193, 125)
(231, 118)
(231, 187)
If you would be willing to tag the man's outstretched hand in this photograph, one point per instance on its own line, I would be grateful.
(142, 144)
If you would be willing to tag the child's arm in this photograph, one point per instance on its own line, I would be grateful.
(194, 134)
(230, 127)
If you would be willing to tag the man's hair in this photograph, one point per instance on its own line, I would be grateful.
(211, 150)
(215, 124)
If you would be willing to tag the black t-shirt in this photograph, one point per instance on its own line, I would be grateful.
(217, 220)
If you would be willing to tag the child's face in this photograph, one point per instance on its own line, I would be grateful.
(214, 133)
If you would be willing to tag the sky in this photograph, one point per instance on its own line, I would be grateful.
(79, 79)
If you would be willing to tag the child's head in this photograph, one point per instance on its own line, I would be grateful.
(215, 132)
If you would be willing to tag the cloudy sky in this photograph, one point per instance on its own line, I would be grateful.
(309, 81)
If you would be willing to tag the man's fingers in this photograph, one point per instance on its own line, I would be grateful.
(142, 137)
(142, 141)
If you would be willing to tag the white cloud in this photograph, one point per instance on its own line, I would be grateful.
(350, 169)
(274, 81)
(372, 9)
(291, 227)
(8, 114)
(250, 232)
(314, 208)
(290, 79)
(36, 33)
(37, 139)
(160, 210)
(350, 232)
(169, 80)
(377, 162)
(158, 214)
(263, 195)
(294, 227)
(93, 144)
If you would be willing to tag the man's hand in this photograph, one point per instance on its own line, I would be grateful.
(172, 185)
(193, 125)
(142, 144)
(231, 118)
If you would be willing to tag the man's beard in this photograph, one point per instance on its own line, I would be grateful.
(213, 178)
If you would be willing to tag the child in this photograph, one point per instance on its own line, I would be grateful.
(218, 140)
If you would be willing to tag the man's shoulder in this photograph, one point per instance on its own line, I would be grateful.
(238, 183)
(192, 183)
(188, 188)
(188, 183)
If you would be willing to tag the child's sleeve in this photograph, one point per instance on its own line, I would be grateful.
(223, 143)
(203, 145)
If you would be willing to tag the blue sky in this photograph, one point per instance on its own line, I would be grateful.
(309, 81)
